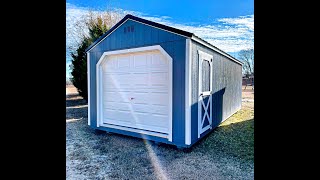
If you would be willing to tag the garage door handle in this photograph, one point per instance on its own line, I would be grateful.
(131, 98)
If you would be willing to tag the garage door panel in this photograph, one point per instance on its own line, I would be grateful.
(159, 98)
(153, 121)
(140, 79)
(140, 61)
(117, 122)
(159, 89)
(159, 79)
(123, 62)
(135, 91)
(118, 81)
(158, 60)
(121, 106)
(110, 65)
(116, 97)
(140, 98)
(152, 128)
(117, 115)
(141, 108)
(140, 89)
(159, 110)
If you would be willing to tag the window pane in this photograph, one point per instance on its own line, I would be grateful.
(205, 76)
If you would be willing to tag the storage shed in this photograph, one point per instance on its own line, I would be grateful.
(160, 83)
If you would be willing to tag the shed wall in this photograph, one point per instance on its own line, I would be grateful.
(227, 81)
(144, 35)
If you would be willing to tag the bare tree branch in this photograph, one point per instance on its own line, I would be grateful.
(247, 57)
(80, 29)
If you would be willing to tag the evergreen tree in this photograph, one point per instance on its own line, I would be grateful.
(79, 68)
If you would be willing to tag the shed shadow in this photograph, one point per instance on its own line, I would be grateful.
(236, 139)
(217, 107)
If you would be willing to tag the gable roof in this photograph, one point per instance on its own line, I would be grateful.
(164, 27)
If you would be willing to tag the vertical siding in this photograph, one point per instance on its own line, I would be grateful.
(226, 80)
(144, 35)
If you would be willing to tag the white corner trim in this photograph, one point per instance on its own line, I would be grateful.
(170, 90)
(88, 88)
(188, 92)
(127, 51)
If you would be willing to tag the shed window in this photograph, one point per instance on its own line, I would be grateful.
(206, 76)
(205, 73)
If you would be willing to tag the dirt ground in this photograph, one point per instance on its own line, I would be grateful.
(71, 90)
(226, 153)
(247, 97)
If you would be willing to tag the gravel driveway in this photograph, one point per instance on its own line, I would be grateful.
(110, 156)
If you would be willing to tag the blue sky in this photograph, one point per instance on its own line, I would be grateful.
(227, 24)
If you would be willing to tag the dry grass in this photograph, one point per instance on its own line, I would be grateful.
(70, 89)
(227, 153)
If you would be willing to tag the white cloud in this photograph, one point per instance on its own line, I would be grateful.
(228, 34)
(242, 21)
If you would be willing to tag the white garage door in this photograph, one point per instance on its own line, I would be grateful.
(136, 91)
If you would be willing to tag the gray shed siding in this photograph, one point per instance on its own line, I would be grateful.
(144, 35)
(226, 96)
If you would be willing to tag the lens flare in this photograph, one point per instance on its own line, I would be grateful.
(159, 171)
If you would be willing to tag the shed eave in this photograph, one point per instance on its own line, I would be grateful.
(142, 21)
(163, 27)
(206, 44)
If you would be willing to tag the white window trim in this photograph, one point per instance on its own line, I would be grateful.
(125, 51)
(188, 92)
(204, 57)
(88, 88)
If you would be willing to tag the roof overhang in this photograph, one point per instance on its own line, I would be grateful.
(163, 27)
(205, 43)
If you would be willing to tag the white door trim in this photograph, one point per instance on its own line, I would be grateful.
(204, 57)
(188, 92)
(126, 51)
(88, 88)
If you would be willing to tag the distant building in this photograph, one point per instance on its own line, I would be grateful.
(248, 80)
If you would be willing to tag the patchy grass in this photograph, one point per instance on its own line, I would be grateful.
(226, 153)
(234, 137)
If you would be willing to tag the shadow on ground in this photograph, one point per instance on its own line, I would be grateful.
(236, 139)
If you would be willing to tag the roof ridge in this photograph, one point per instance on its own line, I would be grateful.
(164, 27)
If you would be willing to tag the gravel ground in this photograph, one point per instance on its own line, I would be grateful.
(224, 154)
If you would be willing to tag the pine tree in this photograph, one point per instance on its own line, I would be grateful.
(79, 69)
